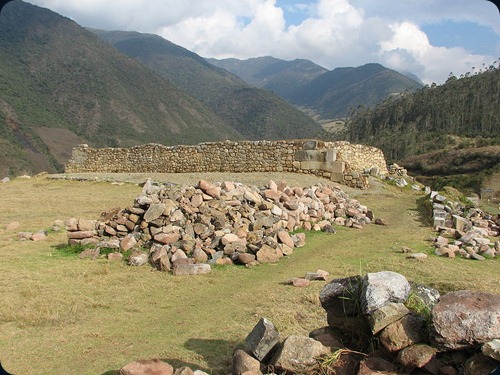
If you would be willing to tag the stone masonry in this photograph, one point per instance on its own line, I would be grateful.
(339, 161)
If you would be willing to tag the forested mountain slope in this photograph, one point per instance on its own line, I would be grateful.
(255, 113)
(60, 85)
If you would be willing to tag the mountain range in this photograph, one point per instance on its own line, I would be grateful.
(61, 85)
(329, 94)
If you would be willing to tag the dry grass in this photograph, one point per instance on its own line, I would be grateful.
(60, 314)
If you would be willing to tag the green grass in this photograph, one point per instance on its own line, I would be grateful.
(63, 314)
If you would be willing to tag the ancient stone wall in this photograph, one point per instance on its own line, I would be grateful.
(339, 161)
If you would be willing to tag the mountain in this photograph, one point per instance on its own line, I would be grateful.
(255, 113)
(335, 93)
(280, 76)
(60, 85)
(329, 94)
(446, 133)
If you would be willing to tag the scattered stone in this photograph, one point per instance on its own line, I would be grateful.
(92, 253)
(298, 354)
(5, 180)
(406, 250)
(147, 367)
(416, 355)
(375, 365)
(262, 340)
(115, 257)
(417, 256)
(138, 258)
(244, 362)
(492, 349)
(380, 221)
(298, 282)
(479, 364)
(39, 236)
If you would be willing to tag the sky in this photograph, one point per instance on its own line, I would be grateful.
(429, 38)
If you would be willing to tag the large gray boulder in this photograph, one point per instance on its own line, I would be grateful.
(341, 297)
(465, 319)
(381, 288)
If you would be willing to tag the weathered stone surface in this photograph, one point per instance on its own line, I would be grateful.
(425, 294)
(159, 259)
(147, 367)
(416, 355)
(298, 354)
(464, 319)
(167, 238)
(267, 254)
(138, 258)
(128, 242)
(328, 337)
(375, 365)
(191, 269)
(386, 315)
(299, 239)
(184, 370)
(381, 288)
(479, 364)
(262, 340)
(407, 331)
(243, 362)
(38, 236)
(154, 211)
(115, 257)
(285, 238)
(81, 234)
(210, 189)
(89, 253)
(492, 349)
(341, 297)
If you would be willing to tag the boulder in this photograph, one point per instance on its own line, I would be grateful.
(154, 211)
(243, 362)
(404, 332)
(262, 340)
(492, 349)
(128, 242)
(340, 297)
(381, 288)
(386, 315)
(465, 319)
(267, 254)
(415, 356)
(147, 367)
(138, 258)
(298, 354)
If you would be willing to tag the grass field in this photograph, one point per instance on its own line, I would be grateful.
(60, 314)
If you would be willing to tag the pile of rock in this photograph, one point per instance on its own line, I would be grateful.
(190, 228)
(380, 323)
(464, 231)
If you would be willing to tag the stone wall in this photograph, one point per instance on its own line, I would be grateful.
(338, 161)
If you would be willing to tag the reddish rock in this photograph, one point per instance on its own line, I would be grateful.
(246, 258)
(147, 367)
(298, 282)
(209, 189)
(39, 236)
(285, 238)
(167, 238)
(114, 257)
(81, 234)
(128, 242)
(243, 363)
(416, 355)
(184, 370)
(267, 254)
(465, 319)
(299, 239)
(407, 331)
(298, 354)
(375, 365)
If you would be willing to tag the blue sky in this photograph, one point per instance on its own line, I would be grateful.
(429, 38)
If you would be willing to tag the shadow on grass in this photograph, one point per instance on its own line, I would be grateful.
(217, 354)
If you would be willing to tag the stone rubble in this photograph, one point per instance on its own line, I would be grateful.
(467, 232)
(179, 229)
(442, 335)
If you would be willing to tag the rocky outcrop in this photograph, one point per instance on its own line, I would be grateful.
(409, 330)
(190, 228)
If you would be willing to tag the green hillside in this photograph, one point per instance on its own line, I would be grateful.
(255, 113)
(448, 132)
(60, 85)
(335, 93)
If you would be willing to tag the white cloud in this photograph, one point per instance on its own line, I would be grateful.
(332, 33)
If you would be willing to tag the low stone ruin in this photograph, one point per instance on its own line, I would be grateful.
(464, 231)
(186, 230)
(382, 324)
